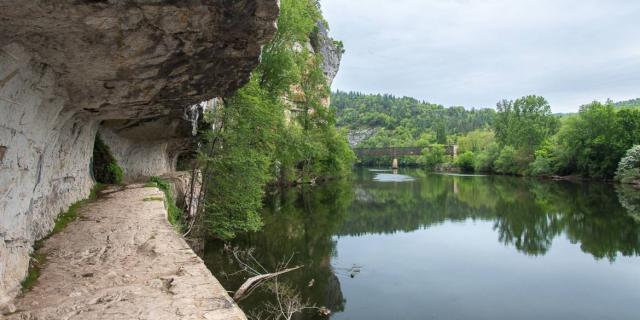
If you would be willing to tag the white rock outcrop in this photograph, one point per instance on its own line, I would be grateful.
(129, 69)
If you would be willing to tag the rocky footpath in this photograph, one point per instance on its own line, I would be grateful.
(130, 69)
(122, 260)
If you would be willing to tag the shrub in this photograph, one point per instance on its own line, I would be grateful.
(629, 166)
(507, 162)
(541, 167)
(465, 161)
(484, 160)
(115, 173)
(433, 156)
(174, 214)
(105, 167)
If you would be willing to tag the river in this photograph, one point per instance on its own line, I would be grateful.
(418, 245)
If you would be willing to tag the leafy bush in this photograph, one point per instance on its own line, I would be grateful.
(629, 167)
(476, 140)
(105, 167)
(115, 173)
(174, 214)
(484, 160)
(275, 130)
(432, 156)
(507, 161)
(465, 162)
(541, 167)
(593, 142)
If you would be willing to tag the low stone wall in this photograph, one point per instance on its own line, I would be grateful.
(183, 190)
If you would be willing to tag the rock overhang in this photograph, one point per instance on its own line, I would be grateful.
(134, 59)
(130, 68)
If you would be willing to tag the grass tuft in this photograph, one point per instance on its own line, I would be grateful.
(153, 199)
(175, 215)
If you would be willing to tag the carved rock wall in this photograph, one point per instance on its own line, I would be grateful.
(129, 69)
(45, 166)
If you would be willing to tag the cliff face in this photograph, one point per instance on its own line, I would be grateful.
(330, 51)
(129, 69)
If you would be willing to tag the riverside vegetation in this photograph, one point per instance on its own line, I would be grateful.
(276, 130)
(523, 137)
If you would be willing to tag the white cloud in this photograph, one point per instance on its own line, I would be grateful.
(476, 52)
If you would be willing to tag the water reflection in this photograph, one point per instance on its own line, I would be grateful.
(527, 215)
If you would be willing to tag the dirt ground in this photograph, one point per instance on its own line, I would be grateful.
(122, 260)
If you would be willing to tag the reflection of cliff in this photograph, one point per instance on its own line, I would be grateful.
(301, 223)
(527, 214)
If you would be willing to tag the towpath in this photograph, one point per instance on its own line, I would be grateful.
(122, 260)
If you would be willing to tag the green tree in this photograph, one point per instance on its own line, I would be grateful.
(524, 123)
(254, 144)
(465, 161)
(432, 156)
(476, 140)
(593, 142)
(629, 167)
(507, 162)
(484, 160)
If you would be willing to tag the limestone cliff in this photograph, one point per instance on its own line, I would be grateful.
(330, 50)
(129, 69)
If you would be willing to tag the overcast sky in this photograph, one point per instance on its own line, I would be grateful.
(477, 52)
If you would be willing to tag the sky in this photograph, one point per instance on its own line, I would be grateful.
(474, 53)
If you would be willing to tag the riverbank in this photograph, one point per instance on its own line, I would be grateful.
(121, 259)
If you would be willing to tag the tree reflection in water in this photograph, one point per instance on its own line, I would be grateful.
(527, 214)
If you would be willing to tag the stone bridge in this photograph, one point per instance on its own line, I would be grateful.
(396, 152)
(451, 150)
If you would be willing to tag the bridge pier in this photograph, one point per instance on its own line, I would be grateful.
(394, 163)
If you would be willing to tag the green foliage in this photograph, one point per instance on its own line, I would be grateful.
(405, 120)
(524, 123)
(465, 161)
(521, 126)
(174, 214)
(542, 166)
(115, 173)
(105, 167)
(593, 142)
(237, 170)
(507, 162)
(432, 156)
(149, 199)
(484, 159)
(476, 140)
(628, 104)
(629, 167)
(276, 129)
(37, 261)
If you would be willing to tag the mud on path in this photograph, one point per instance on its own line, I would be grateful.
(122, 260)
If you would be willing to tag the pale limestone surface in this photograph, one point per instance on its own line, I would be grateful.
(131, 69)
(122, 260)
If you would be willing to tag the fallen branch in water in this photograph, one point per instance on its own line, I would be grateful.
(254, 282)
(288, 301)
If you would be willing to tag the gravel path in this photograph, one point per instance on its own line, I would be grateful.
(122, 260)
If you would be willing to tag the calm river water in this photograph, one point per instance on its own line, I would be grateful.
(416, 245)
